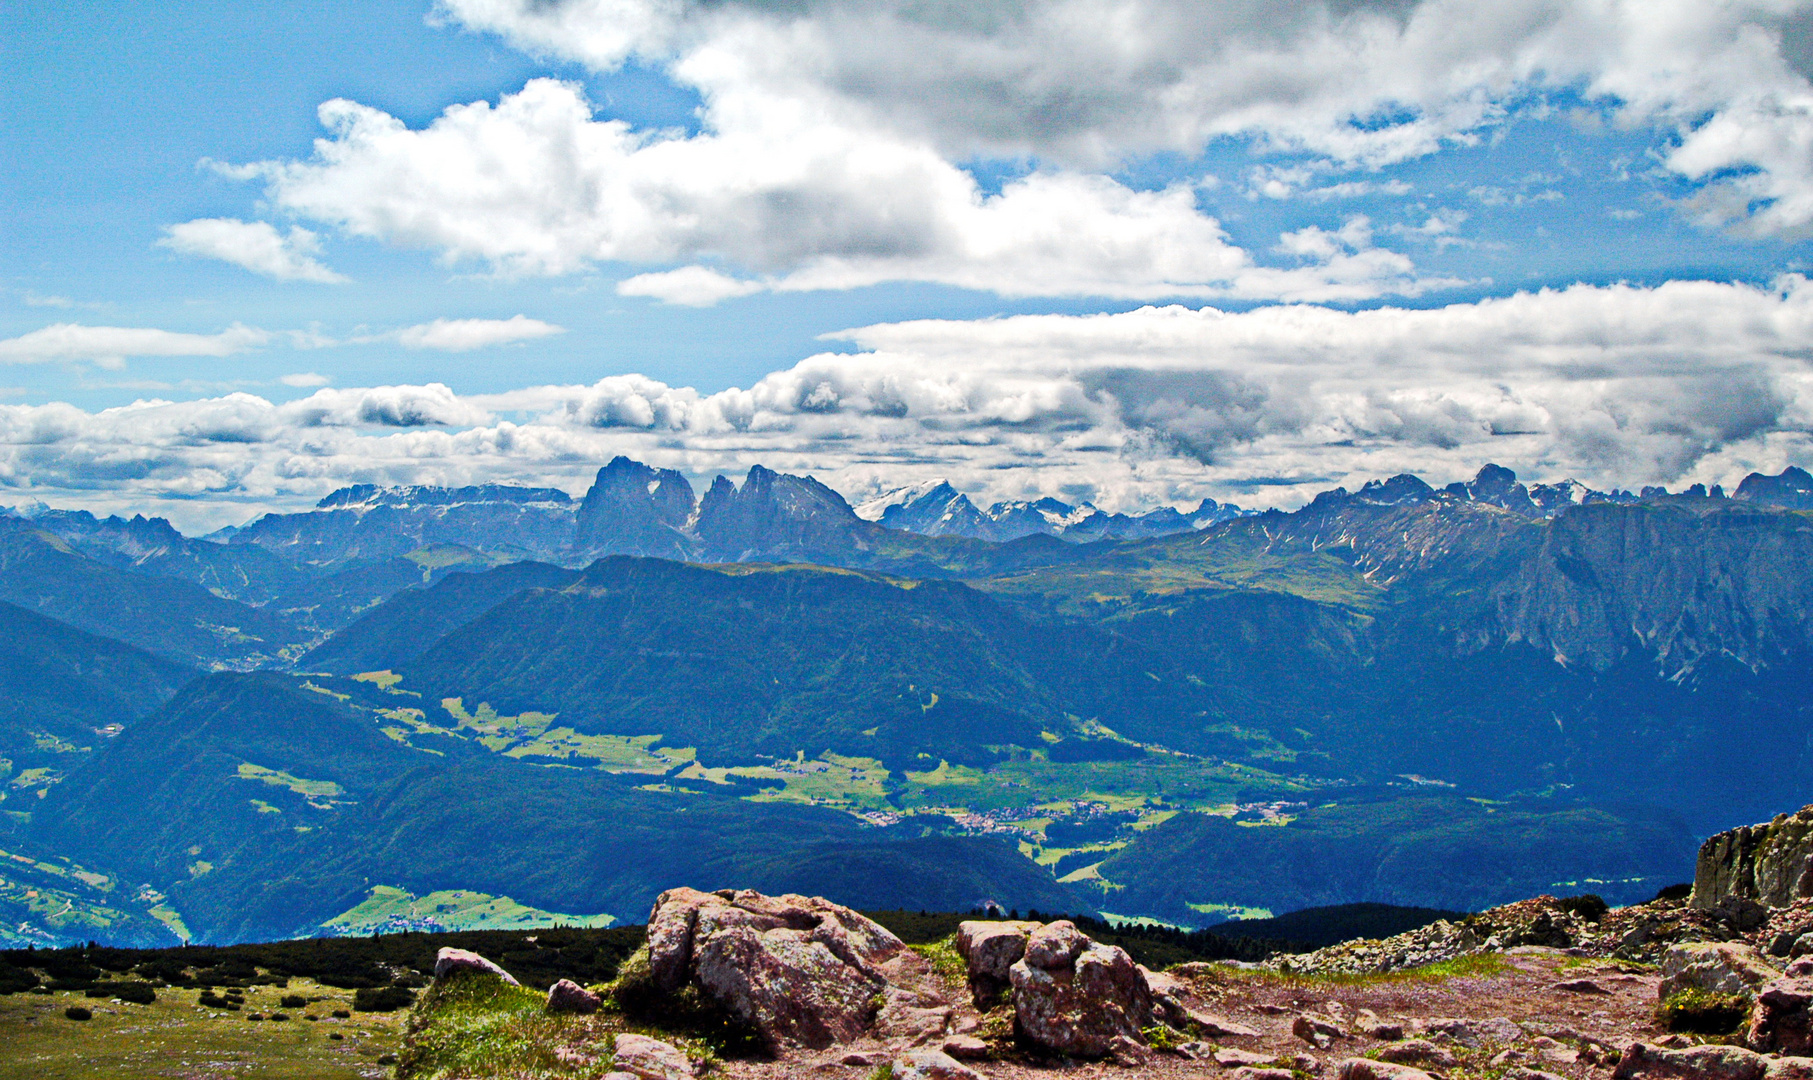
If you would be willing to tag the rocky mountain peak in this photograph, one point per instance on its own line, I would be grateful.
(772, 515)
(632, 509)
(1791, 489)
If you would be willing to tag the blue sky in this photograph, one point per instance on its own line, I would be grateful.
(1407, 160)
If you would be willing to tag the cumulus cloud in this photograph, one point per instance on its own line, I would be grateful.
(1087, 83)
(832, 132)
(536, 185)
(109, 346)
(1688, 381)
(254, 245)
(464, 335)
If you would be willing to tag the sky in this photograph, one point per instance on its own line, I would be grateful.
(1135, 252)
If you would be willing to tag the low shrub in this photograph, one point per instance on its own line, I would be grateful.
(293, 1001)
(76, 1012)
(382, 998)
(1703, 1012)
(1675, 892)
(1589, 906)
(137, 993)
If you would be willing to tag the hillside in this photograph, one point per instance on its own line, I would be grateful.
(1133, 717)
(265, 808)
(63, 692)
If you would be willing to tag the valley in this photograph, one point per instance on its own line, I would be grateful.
(489, 707)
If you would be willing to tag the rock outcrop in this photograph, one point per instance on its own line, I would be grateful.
(1078, 997)
(1075, 996)
(567, 996)
(451, 962)
(1718, 967)
(1642, 1062)
(1770, 863)
(644, 1058)
(931, 1065)
(1781, 1022)
(798, 970)
(990, 950)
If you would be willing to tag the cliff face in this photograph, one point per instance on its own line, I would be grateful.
(1674, 582)
(1770, 863)
(632, 509)
(367, 522)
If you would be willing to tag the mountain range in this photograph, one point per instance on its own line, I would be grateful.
(575, 703)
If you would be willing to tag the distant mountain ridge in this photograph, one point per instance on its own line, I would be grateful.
(762, 676)
(633, 509)
(935, 508)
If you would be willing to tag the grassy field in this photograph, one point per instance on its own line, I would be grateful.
(175, 1038)
(389, 909)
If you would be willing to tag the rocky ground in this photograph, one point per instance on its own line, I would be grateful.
(1539, 990)
(741, 985)
(1484, 1022)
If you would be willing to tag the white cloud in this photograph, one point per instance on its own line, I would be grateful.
(464, 335)
(1087, 83)
(691, 286)
(1688, 381)
(305, 379)
(254, 245)
(534, 185)
(109, 346)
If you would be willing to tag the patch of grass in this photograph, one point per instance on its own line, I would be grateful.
(945, 961)
(390, 909)
(482, 1026)
(687, 1018)
(321, 794)
(1703, 1012)
(177, 1036)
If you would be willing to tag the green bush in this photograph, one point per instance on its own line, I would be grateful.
(76, 1012)
(138, 993)
(293, 1001)
(1589, 906)
(382, 998)
(1703, 1012)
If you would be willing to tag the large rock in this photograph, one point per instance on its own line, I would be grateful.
(1364, 1069)
(650, 1059)
(567, 996)
(1720, 967)
(1771, 863)
(1076, 996)
(1782, 1022)
(450, 962)
(989, 949)
(799, 970)
(1419, 1052)
(931, 1065)
(1641, 1062)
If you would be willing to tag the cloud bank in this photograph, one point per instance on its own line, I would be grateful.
(833, 136)
(1689, 381)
